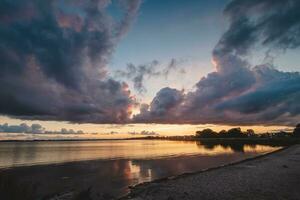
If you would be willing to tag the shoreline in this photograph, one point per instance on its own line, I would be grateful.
(183, 175)
(143, 190)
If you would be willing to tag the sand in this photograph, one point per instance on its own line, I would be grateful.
(275, 176)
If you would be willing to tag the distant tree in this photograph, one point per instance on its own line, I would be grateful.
(296, 132)
(250, 133)
(266, 135)
(281, 134)
(236, 133)
(206, 133)
(223, 133)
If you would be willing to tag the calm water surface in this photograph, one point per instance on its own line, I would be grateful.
(111, 166)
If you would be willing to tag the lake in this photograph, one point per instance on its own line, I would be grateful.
(108, 167)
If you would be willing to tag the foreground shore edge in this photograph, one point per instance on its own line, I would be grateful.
(274, 175)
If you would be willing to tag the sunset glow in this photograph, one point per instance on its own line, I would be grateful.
(198, 98)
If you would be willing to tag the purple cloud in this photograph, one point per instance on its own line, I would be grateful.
(53, 60)
(237, 93)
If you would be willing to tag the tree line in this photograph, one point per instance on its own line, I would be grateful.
(238, 133)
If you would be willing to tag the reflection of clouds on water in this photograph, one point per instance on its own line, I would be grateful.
(140, 173)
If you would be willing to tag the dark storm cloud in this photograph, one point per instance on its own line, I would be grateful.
(263, 95)
(163, 106)
(237, 93)
(138, 73)
(53, 60)
(274, 23)
(274, 99)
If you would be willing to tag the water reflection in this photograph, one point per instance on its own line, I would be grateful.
(122, 164)
(233, 146)
(236, 147)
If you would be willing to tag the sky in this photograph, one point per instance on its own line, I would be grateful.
(125, 68)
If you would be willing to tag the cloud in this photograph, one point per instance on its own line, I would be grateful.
(138, 73)
(238, 93)
(174, 65)
(275, 24)
(262, 95)
(53, 60)
(165, 105)
(54, 56)
(144, 133)
(65, 131)
(34, 129)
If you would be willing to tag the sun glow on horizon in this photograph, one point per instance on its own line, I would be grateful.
(115, 131)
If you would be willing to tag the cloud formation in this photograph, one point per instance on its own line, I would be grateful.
(53, 60)
(54, 55)
(144, 133)
(164, 105)
(34, 129)
(138, 73)
(275, 24)
(238, 93)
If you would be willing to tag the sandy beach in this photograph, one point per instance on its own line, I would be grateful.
(275, 176)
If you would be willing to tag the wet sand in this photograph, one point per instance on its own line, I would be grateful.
(275, 176)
